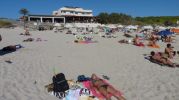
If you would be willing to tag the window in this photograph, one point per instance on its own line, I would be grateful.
(63, 11)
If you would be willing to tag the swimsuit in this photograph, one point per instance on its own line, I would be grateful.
(104, 86)
(99, 86)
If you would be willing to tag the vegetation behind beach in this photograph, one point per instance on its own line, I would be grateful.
(116, 18)
(4, 23)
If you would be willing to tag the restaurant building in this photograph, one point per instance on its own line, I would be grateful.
(65, 15)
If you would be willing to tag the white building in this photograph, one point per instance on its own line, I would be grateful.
(73, 11)
(65, 15)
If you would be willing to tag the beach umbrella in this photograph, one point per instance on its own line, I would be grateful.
(160, 28)
(120, 26)
(68, 25)
(165, 33)
(82, 25)
(56, 24)
(147, 27)
(111, 26)
(35, 24)
(131, 27)
(102, 25)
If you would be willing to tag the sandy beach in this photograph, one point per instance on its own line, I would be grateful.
(33, 66)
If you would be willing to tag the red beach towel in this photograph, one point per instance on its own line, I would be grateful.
(87, 84)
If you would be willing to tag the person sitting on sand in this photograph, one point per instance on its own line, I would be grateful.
(153, 44)
(169, 39)
(104, 88)
(27, 33)
(159, 58)
(166, 38)
(137, 42)
(154, 37)
(169, 51)
(163, 38)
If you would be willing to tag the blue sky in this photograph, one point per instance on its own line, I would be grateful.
(10, 8)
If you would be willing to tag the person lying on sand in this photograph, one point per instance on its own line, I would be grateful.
(159, 58)
(28, 40)
(104, 88)
(128, 35)
(12, 48)
(125, 41)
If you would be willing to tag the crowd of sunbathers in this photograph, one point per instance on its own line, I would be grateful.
(152, 40)
(163, 58)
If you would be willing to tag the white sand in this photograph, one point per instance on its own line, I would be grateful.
(129, 72)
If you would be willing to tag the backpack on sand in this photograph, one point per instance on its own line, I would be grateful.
(60, 84)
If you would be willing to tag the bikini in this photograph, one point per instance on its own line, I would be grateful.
(99, 86)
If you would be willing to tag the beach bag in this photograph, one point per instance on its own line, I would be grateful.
(82, 78)
(60, 84)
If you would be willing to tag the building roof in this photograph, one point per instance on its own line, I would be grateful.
(45, 15)
(58, 16)
(71, 7)
(77, 9)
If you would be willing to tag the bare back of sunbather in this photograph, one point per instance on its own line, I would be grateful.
(104, 88)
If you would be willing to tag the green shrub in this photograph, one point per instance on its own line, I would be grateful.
(5, 23)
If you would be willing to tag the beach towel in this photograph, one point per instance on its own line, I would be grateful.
(154, 46)
(86, 42)
(73, 94)
(140, 44)
(159, 63)
(77, 94)
(85, 97)
(87, 84)
(154, 61)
